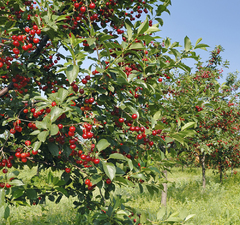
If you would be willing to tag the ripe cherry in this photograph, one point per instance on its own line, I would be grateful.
(108, 181)
(134, 116)
(8, 185)
(87, 181)
(34, 152)
(92, 6)
(121, 120)
(35, 40)
(72, 129)
(96, 161)
(54, 104)
(83, 9)
(67, 170)
(27, 142)
(60, 126)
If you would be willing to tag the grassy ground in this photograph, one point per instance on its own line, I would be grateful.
(216, 205)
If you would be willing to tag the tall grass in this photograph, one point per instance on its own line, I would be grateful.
(218, 204)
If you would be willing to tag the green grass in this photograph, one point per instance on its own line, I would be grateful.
(218, 204)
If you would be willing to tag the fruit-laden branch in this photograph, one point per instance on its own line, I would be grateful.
(39, 48)
(33, 56)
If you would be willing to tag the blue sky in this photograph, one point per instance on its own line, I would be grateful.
(217, 22)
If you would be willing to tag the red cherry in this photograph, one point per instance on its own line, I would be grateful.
(25, 47)
(18, 154)
(16, 43)
(9, 165)
(60, 126)
(20, 37)
(35, 27)
(38, 32)
(25, 110)
(151, 143)
(134, 116)
(154, 132)
(54, 104)
(70, 133)
(83, 9)
(121, 120)
(73, 146)
(72, 129)
(35, 40)
(12, 131)
(92, 6)
(96, 161)
(76, 5)
(160, 79)
(8, 185)
(24, 160)
(89, 134)
(67, 170)
(139, 137)
(108, 181)
(34, 152)
(91, 100)
(132, 128)
(27, 29)
(27, 142)
(72, 141)
(87, 181)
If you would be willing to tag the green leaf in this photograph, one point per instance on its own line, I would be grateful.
(36, 145)
(130, 164)
(17, 193)
(90, 41)
(129, 31)
(102, 144)
(188, 125)
(117, 156)
(187, 44)
(157, 115)
(143, 27)
(137, 46)
(43, 135)
(198, 40)
(105, 37)
(202, 46)
(109, 169)
(54, 129)
(7, 212)
(161, 213)
(31, 194)
(62, 94)
(55, 113)
(16, 182)
(53, 148)
(189, 217)
(72, 73)
(2, 196)
(133, 110)
(152, 30)
(139, 176)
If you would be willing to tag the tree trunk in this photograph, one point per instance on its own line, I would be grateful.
(221, 174)
(203, 170)
(164, 192)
